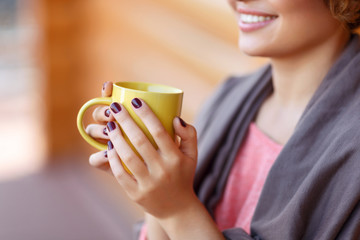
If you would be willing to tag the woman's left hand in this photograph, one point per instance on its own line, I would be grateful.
(163, 183)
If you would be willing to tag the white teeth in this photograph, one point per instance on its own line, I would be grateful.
(247, 18)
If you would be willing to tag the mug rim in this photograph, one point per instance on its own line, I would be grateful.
(173, 89)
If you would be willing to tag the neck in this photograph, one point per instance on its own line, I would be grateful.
(296, 77)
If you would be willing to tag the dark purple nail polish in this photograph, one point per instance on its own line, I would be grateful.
(182, 122)
(111, 126)
(107, 112)
(110, 145)
(136, 103)
(104, 132)
(105, 154)
(115, 107)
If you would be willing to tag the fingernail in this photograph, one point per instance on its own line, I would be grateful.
(111, 126)
(104, 132)
(110, 145)
(107, 112)
(182, 122)
(136, 103)
(104, 85)
(115, 107)
(105, 154)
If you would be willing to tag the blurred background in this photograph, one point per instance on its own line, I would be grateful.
(54, 56)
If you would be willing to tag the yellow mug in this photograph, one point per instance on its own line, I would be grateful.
(164, 101)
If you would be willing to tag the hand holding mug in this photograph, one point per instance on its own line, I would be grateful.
(160, 175)
(163, 100)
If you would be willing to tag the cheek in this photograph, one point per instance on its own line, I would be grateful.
(308, 25)
(306, 16)
(300, 25)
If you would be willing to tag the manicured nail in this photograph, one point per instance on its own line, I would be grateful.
(115, 107)
(136, 103)
(111, 126)
(182, 122)
(107, 112)
(104, 132)
(110, 145)
(105, 154)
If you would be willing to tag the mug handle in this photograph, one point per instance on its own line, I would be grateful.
(80, 116)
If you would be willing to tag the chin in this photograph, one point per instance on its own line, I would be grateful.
(253, 50)
(258, 48)
(253, 53)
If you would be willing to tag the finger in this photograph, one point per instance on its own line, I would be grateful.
(125, 152)
(165, 143)
(97, 131)
(136, 136)
(121, 175)
(107, 89)
(100, 161)
(102, 114)
(187, 134)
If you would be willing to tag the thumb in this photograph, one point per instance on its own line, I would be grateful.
(107, 89)
(187, 134)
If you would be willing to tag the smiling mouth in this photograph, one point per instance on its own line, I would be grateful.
(250, 18)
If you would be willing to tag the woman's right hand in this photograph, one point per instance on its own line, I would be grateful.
(98, 131)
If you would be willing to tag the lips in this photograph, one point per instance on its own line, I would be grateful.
(251, 20)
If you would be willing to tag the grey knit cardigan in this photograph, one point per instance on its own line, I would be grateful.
(313, 189)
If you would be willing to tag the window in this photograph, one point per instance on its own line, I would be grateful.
(21, 134)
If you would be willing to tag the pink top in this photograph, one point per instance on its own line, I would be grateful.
(246, 180)
(247, 177)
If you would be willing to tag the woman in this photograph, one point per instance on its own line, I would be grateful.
(302, 108)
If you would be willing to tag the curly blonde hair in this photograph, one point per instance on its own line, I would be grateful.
(346, 11)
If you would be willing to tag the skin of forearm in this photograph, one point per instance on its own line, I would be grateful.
(191, 223)
(155, 231)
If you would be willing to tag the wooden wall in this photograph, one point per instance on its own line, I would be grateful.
(188, 44)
